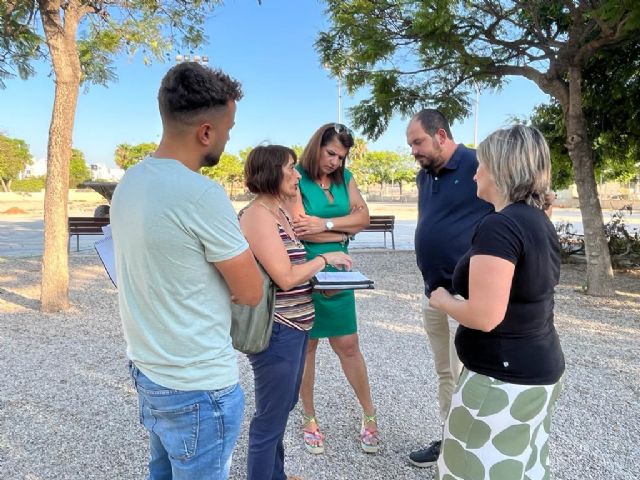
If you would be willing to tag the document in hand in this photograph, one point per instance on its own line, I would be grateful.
(341, 281)
(104, 247)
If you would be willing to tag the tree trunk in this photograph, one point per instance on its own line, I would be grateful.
(61, 40)
(5, 187)
(599, 271)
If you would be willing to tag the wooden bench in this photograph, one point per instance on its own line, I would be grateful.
(384, 224)
(85, 226)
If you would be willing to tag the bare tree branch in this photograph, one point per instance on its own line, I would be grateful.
(551, 86)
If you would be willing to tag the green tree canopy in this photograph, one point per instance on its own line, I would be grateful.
(14, 157)
(244, 153)
(379, 167)
(127, 155)
(412, 54)
(298, 149)
(356, 162)
(78, 170)
(101, 31)
(358, 151)
(407, 171)
(229, 171)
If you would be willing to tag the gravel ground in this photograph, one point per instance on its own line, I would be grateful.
(68, 411)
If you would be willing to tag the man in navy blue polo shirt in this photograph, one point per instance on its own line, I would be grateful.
(448, 211)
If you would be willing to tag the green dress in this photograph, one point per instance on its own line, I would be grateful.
(336, 315)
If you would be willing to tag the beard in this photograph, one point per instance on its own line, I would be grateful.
(433, 161)
(431, 164)
(210, 160)
(428, 164)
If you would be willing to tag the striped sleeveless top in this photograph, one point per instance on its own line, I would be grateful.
(294, 308)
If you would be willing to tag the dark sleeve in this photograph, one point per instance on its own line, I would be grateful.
(498, 236)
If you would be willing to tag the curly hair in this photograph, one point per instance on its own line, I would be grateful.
(189, 90)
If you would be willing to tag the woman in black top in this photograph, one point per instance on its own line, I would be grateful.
(499, 420)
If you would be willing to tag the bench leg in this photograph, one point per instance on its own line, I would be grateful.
(385, 239)
(393, 241)
(77, 243)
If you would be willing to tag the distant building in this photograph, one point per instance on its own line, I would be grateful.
(37, 169)
(102, 172)
(98, 172)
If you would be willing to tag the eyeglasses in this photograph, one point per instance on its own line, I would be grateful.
(343, 129)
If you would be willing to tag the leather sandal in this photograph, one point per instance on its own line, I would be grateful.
(313, 439)
(369, 439)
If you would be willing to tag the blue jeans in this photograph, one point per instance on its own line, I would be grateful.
(192, 433)
(277, 375)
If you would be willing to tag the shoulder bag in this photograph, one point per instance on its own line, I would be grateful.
(251, 326)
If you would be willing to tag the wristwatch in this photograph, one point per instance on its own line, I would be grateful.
(329, 225)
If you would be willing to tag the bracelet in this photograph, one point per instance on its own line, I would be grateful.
(326, 262)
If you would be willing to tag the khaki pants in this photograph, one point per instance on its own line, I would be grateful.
(441, 331)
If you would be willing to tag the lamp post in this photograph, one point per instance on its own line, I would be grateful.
(475, 116)
(339, 99)
(338, 79)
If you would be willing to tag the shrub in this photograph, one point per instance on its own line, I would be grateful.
(624, 246)
(30, 184)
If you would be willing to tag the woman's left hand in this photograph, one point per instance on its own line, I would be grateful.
(438, 298)
(328, 293)
(309, 225)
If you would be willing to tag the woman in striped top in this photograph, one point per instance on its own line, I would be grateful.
(270, 174)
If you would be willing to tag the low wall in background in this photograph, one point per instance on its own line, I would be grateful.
(90, 197)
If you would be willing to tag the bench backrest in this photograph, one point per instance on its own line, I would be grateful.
(87, 224)
(381, 222)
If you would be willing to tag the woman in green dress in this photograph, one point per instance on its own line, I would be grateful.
(327, 212)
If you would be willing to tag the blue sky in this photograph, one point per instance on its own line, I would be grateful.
(269, 48)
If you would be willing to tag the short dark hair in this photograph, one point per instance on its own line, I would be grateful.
(432, 120)
(189, 89)
(263, 168)
(325, 134)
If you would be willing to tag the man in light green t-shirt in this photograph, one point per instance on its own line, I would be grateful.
(181, 260)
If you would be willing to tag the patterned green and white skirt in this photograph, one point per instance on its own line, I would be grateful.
(497, 430)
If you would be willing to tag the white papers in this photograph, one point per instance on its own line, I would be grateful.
(341, 281)
(341, 277)
(104, 247)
